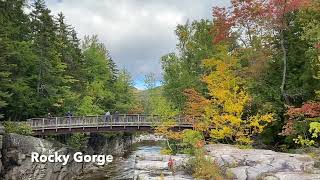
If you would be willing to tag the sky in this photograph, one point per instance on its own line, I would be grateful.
(136, 32)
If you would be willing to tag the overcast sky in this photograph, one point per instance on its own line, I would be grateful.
(137, 32)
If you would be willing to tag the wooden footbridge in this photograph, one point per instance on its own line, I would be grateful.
(121, 122)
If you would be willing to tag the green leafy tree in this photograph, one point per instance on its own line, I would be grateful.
(123, 88)
(183, 70)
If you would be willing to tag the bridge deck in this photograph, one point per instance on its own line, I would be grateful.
(122, 122)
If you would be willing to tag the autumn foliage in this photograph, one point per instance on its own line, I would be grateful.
(195, 109)
(221, 112)
(253, 17)
(309, 110)
(294, 114)
(227, 103)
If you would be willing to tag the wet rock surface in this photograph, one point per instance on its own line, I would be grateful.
(115, 145)
(151, 165)
(251, 164)
(148, 137)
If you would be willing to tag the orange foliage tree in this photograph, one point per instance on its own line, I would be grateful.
(195, 108)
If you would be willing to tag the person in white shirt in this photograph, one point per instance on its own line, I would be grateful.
(107, 116)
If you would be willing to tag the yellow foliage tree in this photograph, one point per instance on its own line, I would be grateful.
(227, 102)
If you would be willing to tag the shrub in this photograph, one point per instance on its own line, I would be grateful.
(303, 124)
(77, 141)
(17, 127)
(190, 140)
(165, 151)
(205, 168)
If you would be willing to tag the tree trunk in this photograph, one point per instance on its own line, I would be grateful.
(169, 145)
(284, 71)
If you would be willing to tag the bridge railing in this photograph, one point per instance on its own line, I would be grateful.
(99, 121)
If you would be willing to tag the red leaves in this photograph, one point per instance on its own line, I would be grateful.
(249, 10)
(308, 110)
(278, 9)
(287, 129)
(242, 13)
(223, 23)
(284, 6)
(252, 14)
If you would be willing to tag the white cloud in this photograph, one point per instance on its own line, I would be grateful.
(137, 32)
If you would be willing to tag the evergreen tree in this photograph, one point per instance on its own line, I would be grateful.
(43, 68)
(16, 60)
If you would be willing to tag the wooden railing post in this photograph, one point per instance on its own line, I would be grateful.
(111, 121)
(42, 124)
(70, 123)
(124, 120)
(56, 124)
(83, 121)
(97, 122)
(138, 121)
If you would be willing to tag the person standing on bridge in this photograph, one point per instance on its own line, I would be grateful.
(116, 116)
(69, 115)
(107, 116)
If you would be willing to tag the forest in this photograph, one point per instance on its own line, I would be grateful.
(46, 68)
(250, 75)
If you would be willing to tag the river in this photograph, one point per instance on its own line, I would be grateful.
(121, 168)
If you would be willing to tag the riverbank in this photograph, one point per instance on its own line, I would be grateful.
(251, 164)
(240, 164)
(146, 162)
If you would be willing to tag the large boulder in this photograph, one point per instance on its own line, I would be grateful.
(115, 145)
(250, 164)
(16, 152)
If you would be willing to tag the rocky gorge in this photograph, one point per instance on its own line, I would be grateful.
(147, 163)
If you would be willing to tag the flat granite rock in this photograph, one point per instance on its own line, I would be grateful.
(251, 164)
(151, 166)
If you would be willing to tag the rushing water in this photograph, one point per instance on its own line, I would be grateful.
(121, 168)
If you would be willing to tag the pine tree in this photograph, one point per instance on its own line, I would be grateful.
(16, 59)
(51, 82)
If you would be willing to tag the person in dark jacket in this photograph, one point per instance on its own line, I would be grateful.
(69, 115)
